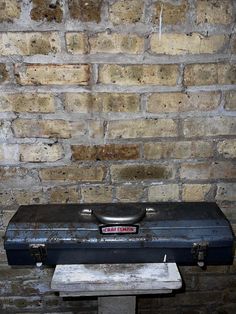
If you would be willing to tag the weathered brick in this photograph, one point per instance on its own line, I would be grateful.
(9, 153)
(233, 44)
(96, 130)
(25, 287)
(3, 257)
(41, 128)
(14, 177)
(42, 103)
(22, 303)
(223, 282)
(9, 10)
(77, 43)
(141, 128)
(211, 73)
(137, 172)
(85, 10)
(6, 217)
(96, 194)
(227, 148)
(53, 303)
(126, 12)
(194, 298)
(228, 208)
(219, 269)
(193, 43)
(74, 173)
(228, 308)
(232, 268)
(226, 73)
(63, 194)
(233, 225)
(155, 74)
(47, 10)
(208, 170)
(105, 152)
(3, 73)
(52, 74)
(214, 12)
(129, 193)
(101, 102)
(172, 13)
(16, 43)
(5, 130)
(181, 102)
(226, 192)
(230, 100)
(10, 172)
(7, 197)
(116, 43)
(163, 193)
(212, 126)
(16, 273)
(27, 197)
(178, 150)
(40, 152)
(197, 192)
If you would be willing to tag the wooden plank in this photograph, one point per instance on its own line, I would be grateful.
(105, 278)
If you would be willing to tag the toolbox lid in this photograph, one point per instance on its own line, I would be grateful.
(164, 224)
(148, 215)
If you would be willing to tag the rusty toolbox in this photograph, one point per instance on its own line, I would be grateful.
(185, 233)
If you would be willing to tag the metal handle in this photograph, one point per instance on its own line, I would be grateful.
(119, 214)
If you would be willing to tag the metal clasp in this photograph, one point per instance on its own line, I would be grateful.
(86, 211)
(39, 253)
(199, 251)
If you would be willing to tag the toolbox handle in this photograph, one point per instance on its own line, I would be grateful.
(112, 214)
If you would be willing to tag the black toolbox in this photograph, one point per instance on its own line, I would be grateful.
(185, 233)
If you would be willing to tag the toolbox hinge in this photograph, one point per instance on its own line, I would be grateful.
(199, 251)
(39, 253)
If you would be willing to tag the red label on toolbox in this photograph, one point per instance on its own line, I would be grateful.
(118, 229)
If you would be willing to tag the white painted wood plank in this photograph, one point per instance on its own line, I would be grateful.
(116, 277)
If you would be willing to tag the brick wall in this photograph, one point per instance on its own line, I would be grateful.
(97, 105)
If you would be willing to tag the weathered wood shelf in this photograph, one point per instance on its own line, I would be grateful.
(124, 281)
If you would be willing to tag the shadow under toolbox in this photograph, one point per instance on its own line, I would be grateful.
(185, 233)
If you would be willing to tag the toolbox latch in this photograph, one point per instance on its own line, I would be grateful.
(39, 253)
(199, 251)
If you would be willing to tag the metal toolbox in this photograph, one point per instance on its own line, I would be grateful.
(185, 233)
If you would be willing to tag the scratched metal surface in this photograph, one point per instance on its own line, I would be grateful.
(166, 222)
(71, 236)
